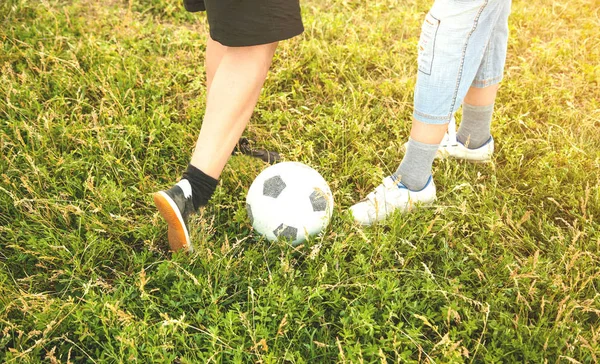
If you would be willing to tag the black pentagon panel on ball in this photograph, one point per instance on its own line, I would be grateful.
(288, 232)
(273, 186)
(249, 211)
(318, 200)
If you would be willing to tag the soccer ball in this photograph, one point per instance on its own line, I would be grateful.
(289, 201)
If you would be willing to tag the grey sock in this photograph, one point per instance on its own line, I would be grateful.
(415, 169)
(474, 130)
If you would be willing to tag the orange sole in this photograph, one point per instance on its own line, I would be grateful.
(176, 229)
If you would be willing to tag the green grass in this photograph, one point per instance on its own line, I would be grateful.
(101, 102)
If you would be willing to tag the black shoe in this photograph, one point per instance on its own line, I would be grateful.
(244, 146)
(175, 207)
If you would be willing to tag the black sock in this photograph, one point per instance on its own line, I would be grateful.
(203, 186)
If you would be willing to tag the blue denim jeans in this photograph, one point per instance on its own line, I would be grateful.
(462, 45)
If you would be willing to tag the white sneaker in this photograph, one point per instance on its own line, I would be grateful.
(389, 196)
(452, 148)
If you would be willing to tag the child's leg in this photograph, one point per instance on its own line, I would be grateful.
(415, 169)
(478, 105)
(475, 126)
(453, 38)
(481, 96)
(452, 44)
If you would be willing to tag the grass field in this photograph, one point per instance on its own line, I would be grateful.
(101, 102)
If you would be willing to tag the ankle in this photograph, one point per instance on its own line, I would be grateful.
(202, 186)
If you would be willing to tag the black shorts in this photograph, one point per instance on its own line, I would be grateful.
(240, 23)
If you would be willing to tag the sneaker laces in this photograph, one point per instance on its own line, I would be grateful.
(388, 183)
(450, 135)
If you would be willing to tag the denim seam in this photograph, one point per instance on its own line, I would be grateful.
(487, 82)
(464, 52)
(429, 116)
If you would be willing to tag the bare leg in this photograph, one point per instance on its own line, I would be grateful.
(214, 55)
(427, 133)
(481, 96)
(234, 91)
(234, 77)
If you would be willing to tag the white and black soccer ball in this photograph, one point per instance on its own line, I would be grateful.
(291, 201)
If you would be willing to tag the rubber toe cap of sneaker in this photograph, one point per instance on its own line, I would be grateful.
(360, 214)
